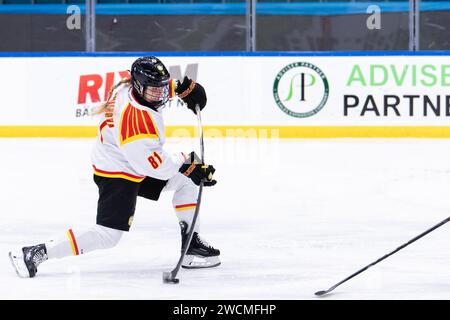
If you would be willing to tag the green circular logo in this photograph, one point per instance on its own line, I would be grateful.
(300, 89)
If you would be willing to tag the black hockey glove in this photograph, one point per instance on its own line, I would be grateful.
(191, 93)
(197, 171)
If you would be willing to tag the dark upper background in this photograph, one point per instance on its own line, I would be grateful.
(321, 26)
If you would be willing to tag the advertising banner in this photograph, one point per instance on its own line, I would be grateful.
(300, 96)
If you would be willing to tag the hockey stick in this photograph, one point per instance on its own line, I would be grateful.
(171, 276)
(323, 292)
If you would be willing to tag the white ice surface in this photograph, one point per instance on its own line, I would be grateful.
(290, 217)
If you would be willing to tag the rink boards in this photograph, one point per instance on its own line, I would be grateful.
(271, 95)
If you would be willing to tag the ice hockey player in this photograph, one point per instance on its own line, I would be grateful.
(128, 161)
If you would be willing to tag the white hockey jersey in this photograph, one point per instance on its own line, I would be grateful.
(130, 141)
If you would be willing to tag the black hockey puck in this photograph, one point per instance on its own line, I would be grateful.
(174, 280)
(167, 278)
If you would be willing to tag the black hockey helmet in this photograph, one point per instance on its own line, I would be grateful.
(150, 72)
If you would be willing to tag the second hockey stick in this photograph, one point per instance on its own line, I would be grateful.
(171, 276)
(323, 292)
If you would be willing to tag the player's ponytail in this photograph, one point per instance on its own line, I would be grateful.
(105, 104)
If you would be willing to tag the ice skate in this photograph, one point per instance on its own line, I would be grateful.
(200, 254)
(26, 260)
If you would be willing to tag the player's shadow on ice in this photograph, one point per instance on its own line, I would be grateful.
(119, 274)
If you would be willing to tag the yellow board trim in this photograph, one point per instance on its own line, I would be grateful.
(48, 131)
(265, 132)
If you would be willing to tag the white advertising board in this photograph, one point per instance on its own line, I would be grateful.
(242, 90)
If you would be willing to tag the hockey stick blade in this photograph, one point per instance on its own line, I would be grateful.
(321, 292)
(168, 277)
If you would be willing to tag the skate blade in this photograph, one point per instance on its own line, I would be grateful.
(19, 265)
(194, 262)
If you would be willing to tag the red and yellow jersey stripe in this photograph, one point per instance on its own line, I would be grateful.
(117, 174)
(73, 242)
(183, 207)
(109, 116)
(105, 123)
(136, 124)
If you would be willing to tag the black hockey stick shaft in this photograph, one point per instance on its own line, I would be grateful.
(171, 276)
(323, 292)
